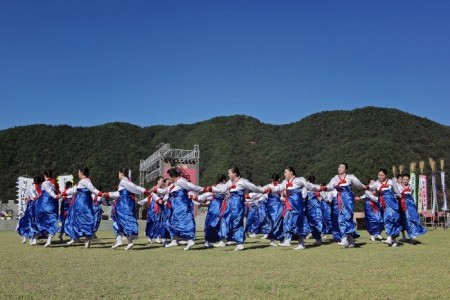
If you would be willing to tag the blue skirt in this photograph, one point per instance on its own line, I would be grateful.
(326, 216)
(46, 213)
(182, 222)
(391, 214)
(413, 225)
(346, 209)
(213, 220)
(63, 210)
(294, 218)
(337, 236)
(232, 227)
(314, 215)
(126, 214)
(263, 220)
(372, 216)
(27, 224)
(80, 216)
(154, 219)
(165, 221)
(274, 211)
(252, 220)
(98, 212)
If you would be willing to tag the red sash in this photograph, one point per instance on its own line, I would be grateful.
(403, 199)
(339, 189)
(286, 194)
(380, 192)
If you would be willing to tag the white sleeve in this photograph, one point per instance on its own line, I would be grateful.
(373, 186)
(131, 187)
(332, 184)
(47, 186)
(71, 191)
(280, 187)
(396, 190)
(189, 186)
(250, 186)
(301, 182)
(356, 183)
(205, 196)
(221, 188)
(114, 195)
(142, 202)
(88, 184)
(370, 196)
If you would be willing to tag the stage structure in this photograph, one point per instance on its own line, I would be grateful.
(164, 158)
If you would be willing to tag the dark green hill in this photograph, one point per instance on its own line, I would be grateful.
(367, 138)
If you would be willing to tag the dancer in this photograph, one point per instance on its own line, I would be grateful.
(313, 213)
(233, 218)
(214, 215)
(294, 217)
(63, 209)
(80, 221)
(408, 207)
(372, 214)
(181, 223)
(387, 191)
(46, 209)
(27, 223)
(343, 183)
(125, 209)
(274, 211)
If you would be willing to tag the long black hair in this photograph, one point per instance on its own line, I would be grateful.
(173, 172)
(85, 171)
(275, 177)
(221, 178)
(48, 173)
(236, 171)
(291, 169)
(125, 172)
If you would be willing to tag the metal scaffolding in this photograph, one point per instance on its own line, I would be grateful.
(152, 167)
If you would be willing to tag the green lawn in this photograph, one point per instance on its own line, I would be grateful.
(373, 270)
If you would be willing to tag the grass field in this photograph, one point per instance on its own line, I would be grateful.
(373, 270)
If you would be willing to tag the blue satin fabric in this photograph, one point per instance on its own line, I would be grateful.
(232, 227)
(326, 217)
(274, 211)
(27, 224)
(182, 222)
(63, 210)
(98, 211)
(413, 225)
(80, 216)
(314, 216)
(263, 220)
(252, 220)
(346, 223)
(294, 218)
(213, 220)
(337, 236)
(391, 214)
(126, 214)
(154, 225)
(372, 216)
(46, 214)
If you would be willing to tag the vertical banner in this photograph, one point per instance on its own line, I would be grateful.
(434, 205)
(423, 193)
(23, 184)
(444, 191)
(62, 179)
(413, 185)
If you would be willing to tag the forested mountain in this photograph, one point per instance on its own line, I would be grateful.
(366, 138)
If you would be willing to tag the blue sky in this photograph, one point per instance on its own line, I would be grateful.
(86, 63)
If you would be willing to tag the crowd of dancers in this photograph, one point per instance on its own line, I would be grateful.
(283, 212)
